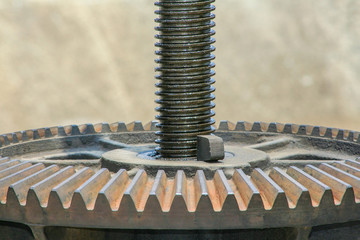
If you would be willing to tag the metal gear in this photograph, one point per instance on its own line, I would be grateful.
(72, 177)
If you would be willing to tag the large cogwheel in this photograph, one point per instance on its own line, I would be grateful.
(105, 176)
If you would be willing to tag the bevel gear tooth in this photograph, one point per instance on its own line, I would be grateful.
(40, 192)
(36, 134)
(339, 188)
(135, 126)
(111, 194)
(315, 131)
(243, 126)
(288, 128)
(344, 176)
(296, 194)
(16, 168)
(272, 195)
(105, 128)
(179, 194)
(328, 133)
(4, 140)
(85, 195)
(120, 127)
(151, 126)
(250, 196)
(134, 198)
(353, 163)
(61, 131)
(48, 133)
(156, 201)
(226, 125)
(272, 128)
(340, 134)
(347, 168)
(12, 178)
(301, 130)
(20, 189)
(16, 137)
(86, 129)
(227, 199)
(8, 163)
(320, 193)
(202, 198)
(61, 195)
(256, 127)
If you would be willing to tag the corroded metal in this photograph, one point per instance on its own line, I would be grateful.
(58, 177)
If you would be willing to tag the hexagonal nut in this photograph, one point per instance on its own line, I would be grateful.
(210, 148)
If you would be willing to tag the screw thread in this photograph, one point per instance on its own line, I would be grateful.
(185, 75)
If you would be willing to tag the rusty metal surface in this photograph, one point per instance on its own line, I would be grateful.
(290, 190)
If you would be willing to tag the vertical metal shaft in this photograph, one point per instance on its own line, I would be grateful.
(185, 75)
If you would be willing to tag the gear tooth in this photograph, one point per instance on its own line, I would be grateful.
(61, 195)
(42, 189)
(87, 129)
(4, 160)
(301, 130)
(105, 128)
(179, 193)
(272, 127)
(340, 134)
(226, 195)
(223, 126)
(48, 133)
(350, 136)
(12, 203)
(338, 187)
(8, 164)
(202, 199)
(328, 133)
(156, 202)
(243, 126)
(36, 134)
(151, 126)
(287, 128)
(256, 127)
(75, 130)
(319, 192)
(240, 126)
(86, 194)
(249, 195)
(61, 131)
(347, 168)
(134, 199)
(315, 131)
(14, 169)
(24, 136)
(4, 140)
(10, 179)
(22, 186)
(272, 195)
(110, 195)
(121, 127)
(135, 126)
(353, 163)
(352, 180)
(296, 193)
(16, 137)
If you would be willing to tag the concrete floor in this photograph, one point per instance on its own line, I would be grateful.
(64, 62)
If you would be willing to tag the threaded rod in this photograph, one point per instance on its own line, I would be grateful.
(185, 75)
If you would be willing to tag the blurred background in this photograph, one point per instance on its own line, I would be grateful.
(78, 61)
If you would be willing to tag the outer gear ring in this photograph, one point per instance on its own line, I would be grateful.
(38, 188)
